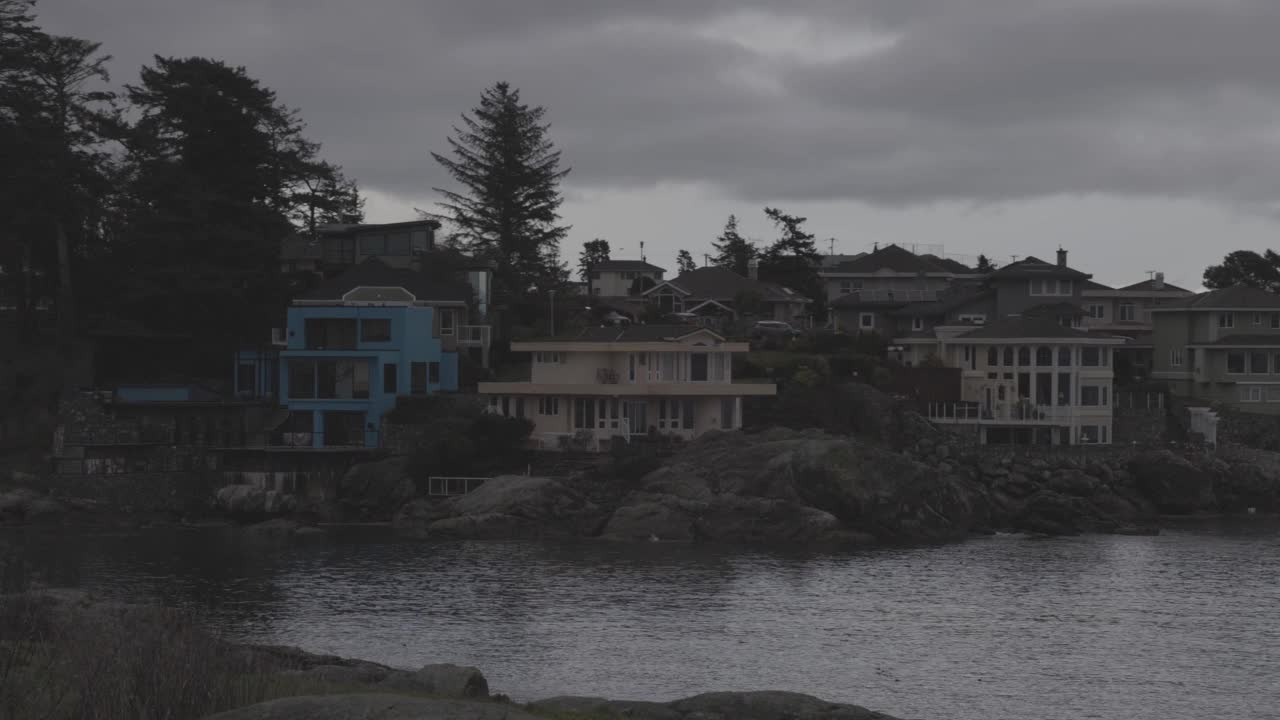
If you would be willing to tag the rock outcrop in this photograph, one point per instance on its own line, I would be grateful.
(504, 507)
(374, 705)
(766, 705)
(244, 502)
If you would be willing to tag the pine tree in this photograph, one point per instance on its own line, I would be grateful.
(985, 265)
(793, 259)
(732, 250)
(508, 208)
(594, 252)
(684, 262)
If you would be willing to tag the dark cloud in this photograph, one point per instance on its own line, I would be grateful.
(970, 100)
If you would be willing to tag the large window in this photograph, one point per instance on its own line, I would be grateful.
(993, 356)
(373, 244)
(1024, 357)
(1008, 357)
(866, 321)
(1096, 311)
(447, 321)
(390, 379)
(1258, 362)
(247, 378)
(1093, 434)
(1235, 362)
(1252, 393)
(1275, 321)
(433, 373)
(1175, 357)
(1128, 312)
(1050, 286)
(846, 287)
(584, 413)
(548, 406)
(1226, 320)
(698, 367)
(1044, 357)
(302, 379)
(418, 378)
(330, 333)
(342, 379)
(398, 244)
(1091, 357)
(1064, 388)
(1090, 395)
(375, 330)
(1064, 357)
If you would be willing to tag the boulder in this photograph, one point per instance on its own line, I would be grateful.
(442, 680)
(251, 501)
(1173, 483)
(650, 518)
(592, 707)
(374, 705)
(506, 506)
(768, 705)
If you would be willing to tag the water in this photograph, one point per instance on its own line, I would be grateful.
(1183, 625)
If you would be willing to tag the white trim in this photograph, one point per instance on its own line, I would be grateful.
(667, 283)
(717, 303)
(358, 288)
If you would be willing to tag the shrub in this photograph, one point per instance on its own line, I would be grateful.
(457, 437)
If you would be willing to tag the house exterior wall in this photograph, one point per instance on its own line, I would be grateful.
(1231, 375)
(1013, 296)
(412, 340)
(840, 285)
(617, 283)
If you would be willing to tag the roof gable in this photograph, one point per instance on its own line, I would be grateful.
(1230, 298)
(720, 283)
(896, 259)
(626, 266)
(1033, 267)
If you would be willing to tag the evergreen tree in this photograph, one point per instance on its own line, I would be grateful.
(732, 250)
(507, 210)
(594, 252)
(1245, 267)
(324, 197)
(985, 265)
(793, 259)
(684, 262)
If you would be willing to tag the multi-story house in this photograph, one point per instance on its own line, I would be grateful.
(355, 344)
(1222, 347)
(715, 292)
(865, 292)
(1030, 380)
(1126, 312)
(334, 248)
(623, 278)
(607, 382)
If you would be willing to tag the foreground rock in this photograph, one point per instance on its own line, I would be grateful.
(712, 706)
(373, 705)
(511, 506)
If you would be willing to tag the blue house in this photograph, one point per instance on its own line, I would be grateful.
(352, 346)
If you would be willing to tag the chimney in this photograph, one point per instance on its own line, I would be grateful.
(1157, 283)
(753, 269)
(1062, 257)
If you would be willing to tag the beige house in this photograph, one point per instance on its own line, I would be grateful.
(1029, 380)
(1221, 347)
(626, 382)
(623, 278)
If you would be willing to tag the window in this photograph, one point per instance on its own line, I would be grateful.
(247, 378)
(846, 287)
(972, 319)
(302, 379)
(390, 379)
(1275, 364)
(669, 414)
(1008, 357)
(595, 291)
(548, 406)
(584, 413)
(1275, 321)
(1235, 363)
(993, 356)
(917, 324)
(1092, 434)
(375, 330)
(330, 333)
(1226, 320)
(1273, 394)
(1044, 357)
(1251, 393)
(1258, 362)
(373, 245)
(1050, 286)
(1090, 357)
(1128, 312)
(547, 358)
(1090, 395)
(1024, 356)
(1064, 357)
(1175, 357)
(698, 367)
(728, 411)
(1257, 318)
(628, 276)
(418, 378)
(1064, 389)
(398, 244)
(866, 320)
(420, 241)
(1096, 311)
(447, 319)
(433, 373)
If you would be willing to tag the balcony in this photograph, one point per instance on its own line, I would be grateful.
(607, 376)
(1021, 413)
(474, 335)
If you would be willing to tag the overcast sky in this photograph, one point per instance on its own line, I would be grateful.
(1138, 134)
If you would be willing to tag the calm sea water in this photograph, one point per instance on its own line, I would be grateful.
(1183, 625)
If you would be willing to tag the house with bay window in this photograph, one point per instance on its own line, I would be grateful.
(603, 383)
(1221, 347)
(352, 346)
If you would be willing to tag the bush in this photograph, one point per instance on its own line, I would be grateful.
(458, 437)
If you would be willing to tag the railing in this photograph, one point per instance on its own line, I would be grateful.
(474, 334)
(1017, 412)
(121, 436)
(304, 440)
(443, 486)
(896, 295)
(607, 376)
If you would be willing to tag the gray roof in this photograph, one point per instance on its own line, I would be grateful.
(1241, 340)
(944, 305)
(1150, 286)
(720, 283)
(1033, 267)
(1025, 327)
(634, 333)
(897, 259)
(1227, 298)
(375, 273)
(626, 266)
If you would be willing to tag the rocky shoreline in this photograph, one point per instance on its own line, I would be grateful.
(779, 486)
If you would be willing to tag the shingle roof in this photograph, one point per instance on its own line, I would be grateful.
(626, 266)
(1149, 286)
(1032, 267)
(949, 264)
(1091, 285)
(1226, 298)
(944, 305)
(375, 273)
(1025, 327)
(1054, 309)
(634, 333)
(719, 283)
(892, 257)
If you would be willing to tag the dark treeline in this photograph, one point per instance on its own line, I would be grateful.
(163, 203)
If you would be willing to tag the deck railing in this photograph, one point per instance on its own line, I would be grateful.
(445, 485)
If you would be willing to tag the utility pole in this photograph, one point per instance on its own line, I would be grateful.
(831, 243)
(641, 251)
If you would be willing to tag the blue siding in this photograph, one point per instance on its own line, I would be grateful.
(153, 393)
(411, 341)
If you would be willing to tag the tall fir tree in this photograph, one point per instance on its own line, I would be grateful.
(985, 265)
(593, 253)
(732, 250)
(793, 259)
(684, 262)
(507, 209)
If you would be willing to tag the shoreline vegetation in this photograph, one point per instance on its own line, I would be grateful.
(66, 655)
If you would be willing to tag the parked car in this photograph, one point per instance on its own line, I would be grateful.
(773, 329)
(616, 318)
